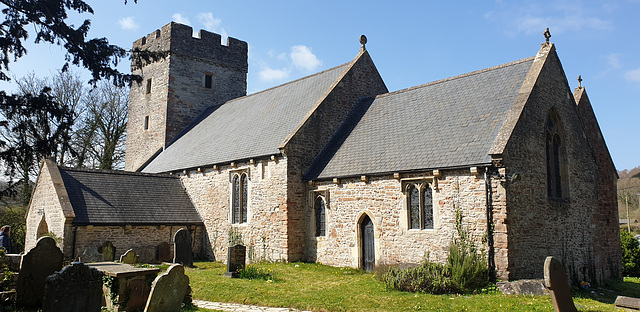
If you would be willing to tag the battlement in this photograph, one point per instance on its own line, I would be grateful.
(178, 40)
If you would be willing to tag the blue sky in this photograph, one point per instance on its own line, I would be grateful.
(411, 42)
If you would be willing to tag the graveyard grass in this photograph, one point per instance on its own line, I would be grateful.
(317, 287)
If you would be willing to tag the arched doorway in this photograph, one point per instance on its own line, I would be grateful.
(43, 229)
(368, 244)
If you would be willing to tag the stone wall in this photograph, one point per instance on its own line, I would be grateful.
(539, 226)
(265, 232)
(177, 86)
(46, 205)
(360, 80)
(383, 200)
(144, 239)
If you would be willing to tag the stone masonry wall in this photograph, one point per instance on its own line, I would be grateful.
(178, 94)
(265, 232)
(144, 239)
(362, 79)
(538, 226)
(383, 200)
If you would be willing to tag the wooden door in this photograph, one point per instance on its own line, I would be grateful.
(368, 244)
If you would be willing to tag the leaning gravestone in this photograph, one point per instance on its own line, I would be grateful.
(40, 262)
(236, 257)
(555, 279)
(164, 252)
(182, 248)
(77, 288)
(168, 290)
(129, 257)
(91, 254)
(108, 251)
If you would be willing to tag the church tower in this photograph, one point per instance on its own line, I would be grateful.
(195, 74)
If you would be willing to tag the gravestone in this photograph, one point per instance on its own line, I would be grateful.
(555, 279)
(630, 303)
(182, 252)
(41, 261)
(77, 288)
(236, 257)
(91, 254)
(164, 252)
(129, 257)
(108, 251)
(146, 254)
(168, 290)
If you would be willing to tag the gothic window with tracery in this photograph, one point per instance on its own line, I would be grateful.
(555, 156)
(419, 205)
(239, 196)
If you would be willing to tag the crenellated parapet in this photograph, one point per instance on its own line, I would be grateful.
(178, 39)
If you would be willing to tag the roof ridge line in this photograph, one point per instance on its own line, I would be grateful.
(476, 72)
(118, 172)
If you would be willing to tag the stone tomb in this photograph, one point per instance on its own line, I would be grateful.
(129, 285)
(41, 261)
(108, 251)
(77, 288)
(236, 257)
(129, 257)
(91, 254)
(182, 248)
(555, 279)
(168, 290)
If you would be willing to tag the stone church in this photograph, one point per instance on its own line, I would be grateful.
(333, 168)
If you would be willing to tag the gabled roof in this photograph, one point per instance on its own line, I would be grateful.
(443, 124)
(248, 127)
(116, 197)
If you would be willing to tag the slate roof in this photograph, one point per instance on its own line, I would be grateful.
(114, 197)
(248, 127)
(444, 124)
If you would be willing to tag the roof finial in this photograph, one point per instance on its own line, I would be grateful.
(579, 81)
(363, 41)
(547, 35)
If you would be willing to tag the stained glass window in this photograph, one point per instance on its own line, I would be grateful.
(427, 208)
(414, 207)
(319, 205)
(243, 180)
(236, 199)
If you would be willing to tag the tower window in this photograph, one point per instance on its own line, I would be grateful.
(208, 81)
(146, 122)
(148, 85)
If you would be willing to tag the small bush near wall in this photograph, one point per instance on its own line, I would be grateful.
(630, 254)
(465, 271)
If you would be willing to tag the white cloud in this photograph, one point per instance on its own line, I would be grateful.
(270, 75)
(613, 60)
(304, 59)
(633, 75)
(128, 23)
(179, 18)
(213, 24)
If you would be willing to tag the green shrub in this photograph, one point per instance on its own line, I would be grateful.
(630, 254)
(465, 271)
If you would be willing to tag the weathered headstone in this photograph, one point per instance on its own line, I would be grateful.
(182, 252)
(91, 254)
(146, 254)
(129, 257)
(164, 252)
(168, 290)
(236, 257)
(555, 279)
(77, 288)
(108, 251)
(627, 303)
(41, 261)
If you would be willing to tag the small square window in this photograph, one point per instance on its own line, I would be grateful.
(148, 85)
(208, 81)
(146, 122)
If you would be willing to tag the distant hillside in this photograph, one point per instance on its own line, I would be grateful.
(628, 190)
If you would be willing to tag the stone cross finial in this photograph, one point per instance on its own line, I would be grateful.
(579, 81)
(363, 41)
(547, 35)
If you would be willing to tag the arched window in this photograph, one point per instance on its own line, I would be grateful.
(319, 206)
(239, 198)
(419, 205)
(555, 154)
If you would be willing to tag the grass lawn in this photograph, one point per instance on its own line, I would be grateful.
(308, 286)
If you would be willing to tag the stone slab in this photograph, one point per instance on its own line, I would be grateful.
(114, 269)
(627, 303)
(91, 254)
(77, 288)
(555, 279)
(533, 287)
(168, 290)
